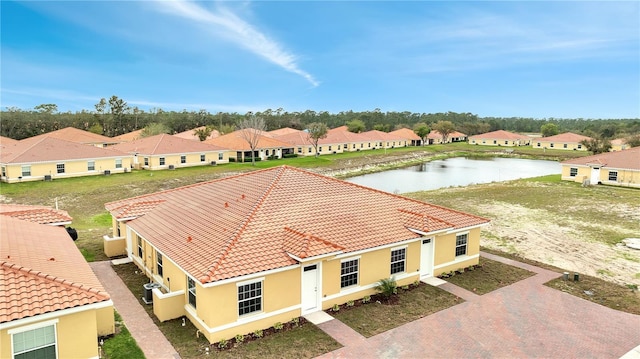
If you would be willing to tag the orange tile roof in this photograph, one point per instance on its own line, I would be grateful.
(435, 134)
(234, 141)
(190, 135)
(42, 149)
(164, 144)
(5, 141)
(625, 159)
(42, 271)
(77, 135)
(340, 128)
(500, 135)
(283, 131)
(568, 137)
(406, 133)
(619, 141)
(36, 214)
(375, 135)
(128, 137)
(238, 225)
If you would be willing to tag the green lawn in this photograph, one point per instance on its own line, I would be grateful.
(121, 345)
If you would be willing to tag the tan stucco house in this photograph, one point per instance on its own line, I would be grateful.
(500, 138)
(241, 253)
(53, 306)
(77, 135)
(563, 141)
(161, 152)
(619, 168)
(49, 158)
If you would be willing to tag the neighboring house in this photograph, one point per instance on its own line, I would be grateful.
(128, 137)
(241, 253)
(409, 135)
(619, 144)
(6, 141)
(191, 134)
(382, 139)
(36, 214)
(333, 143)
(283, 131)
(351, 142)
(76, 135)
(240, 150)
(53, 306)
(500, 138)
(48, 158)
(161, 152)
(619, 168)
(563, 141)
(435, 137)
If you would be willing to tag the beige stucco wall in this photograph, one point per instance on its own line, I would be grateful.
(167, 306)
(77, 333)
(114, 246)
(499, 142)
(625, 178)
(73, 168)
(192, 159)
(445, 252)
(541, 143)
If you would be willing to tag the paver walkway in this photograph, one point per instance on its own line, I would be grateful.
(523, 320)
(150, 339)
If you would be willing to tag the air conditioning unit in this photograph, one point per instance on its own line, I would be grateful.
(213, 163)
(172, 167)
(107, 172)
(47, 178)
(148, 292)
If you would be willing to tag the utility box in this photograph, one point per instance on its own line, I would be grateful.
(147, 297)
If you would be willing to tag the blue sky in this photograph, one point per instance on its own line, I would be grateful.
(540, 59)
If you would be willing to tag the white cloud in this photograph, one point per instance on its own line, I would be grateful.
(224, 22)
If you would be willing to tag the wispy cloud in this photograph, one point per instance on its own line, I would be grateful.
(227, 24)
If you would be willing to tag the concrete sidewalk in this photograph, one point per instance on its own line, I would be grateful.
(150, 339)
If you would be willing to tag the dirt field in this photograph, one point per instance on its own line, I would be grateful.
(562, 224)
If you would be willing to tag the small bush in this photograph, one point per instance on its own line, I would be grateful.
(223, 344)
(405, 287)
(232, 159)
(366, 299)
(387, 287)
(350, 303)
(416, 283)
(258, 333)
(335, 308)
(295, 321)
(278, 326)
(239, 338)
(290, 155)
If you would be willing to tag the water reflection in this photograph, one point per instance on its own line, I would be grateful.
(456, 172)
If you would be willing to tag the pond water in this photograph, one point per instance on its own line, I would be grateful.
(454, 172)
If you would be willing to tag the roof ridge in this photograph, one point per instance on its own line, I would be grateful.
(158, 143)
(51, 278)
(236, 236)
(425, 215)
(310, 236)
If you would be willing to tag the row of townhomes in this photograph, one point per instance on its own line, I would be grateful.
(241, 253)
(563, 141)
(619, 168)
(53, 306)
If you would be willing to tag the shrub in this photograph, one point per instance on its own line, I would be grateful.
(405, 287)
(278, 326)
(366, 299)
(232, 159)
(387, 287)
(290, 155)
(223, 344)
(416, 283)
(258, 333)
(350, 303)
(239, 338)
(335, 308)
(295, 321)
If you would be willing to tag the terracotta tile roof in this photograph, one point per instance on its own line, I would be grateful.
(437, 135)
(73, 134)
(189, 134)
(238, 225)
(42, 149)
(51, 278)
(500, 135)
(235, 142)
(36, 214)
(128, 137)
(619, 141)
(340, 128)
(625, 159)
(164, 144)
(5, 141)
(375, 135)
(568, 137)
(406, 133)
(283, 131)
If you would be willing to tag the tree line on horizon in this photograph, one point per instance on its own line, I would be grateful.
(112, 117)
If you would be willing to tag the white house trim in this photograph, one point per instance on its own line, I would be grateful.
(241, 320)
(55, 315)
(32, 326)
(458, 259)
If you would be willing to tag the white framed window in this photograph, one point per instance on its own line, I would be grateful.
(551, 145)
(60, 168)
(564, 145)
(538, 144)
(309, 149)
(329, 148)
(299, 149)
(26, 171)
(118, 162)
(579, 146)
(398, 260)
(161, 161)
(139, 247)
(573, 172)
(91, 165)
(183, 159)
(191, 285)
(159, 268)
(220, 156)
(461, 244)
(349, 272)
(146, 161)
(613, 175)
(202, 158)
(249, 298)
(506, 142)
(39, 342)
(4, 171)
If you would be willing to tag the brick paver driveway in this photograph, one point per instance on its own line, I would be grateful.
(523, 320)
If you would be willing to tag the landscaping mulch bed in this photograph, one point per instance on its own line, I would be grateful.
(487, 276)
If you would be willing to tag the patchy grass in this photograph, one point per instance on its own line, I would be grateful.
(374, 318)
(596, 290)
(489, 276)
(121, 345)
(306, 341)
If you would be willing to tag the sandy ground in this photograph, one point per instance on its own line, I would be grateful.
(536, 235)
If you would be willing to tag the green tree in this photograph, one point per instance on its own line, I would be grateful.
(384, 127)
(203, 133)
(422, 130)
(251, 128)
(445, 128)
(101, 107)
(225, 129)
(356, 126)
(633, 140)
(549, 129)
(118, 108)
(49, 108)
(153, 129)
(596, 145)
(317, 131)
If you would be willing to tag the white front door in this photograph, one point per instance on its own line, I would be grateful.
(309, 288)
(426, 258)
(595, 175)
